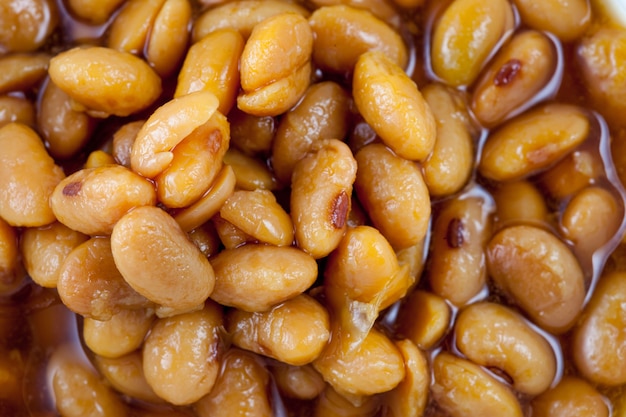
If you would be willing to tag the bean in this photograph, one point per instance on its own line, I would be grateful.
(8, 252)
(16, 110)
(462, 388)
(230, 235)
(414, 258)
(122, 83)
(571, 396)
(465, 35)
(132, 25)
(252, 173)
(196, 162)
(122, 334)
(25, 25)
(519, 201)
(241, 388)
(45, 248)
(299, 382)
(321, 187)
(206, 239)
(424, 318)
(181, 355)
(599, 339)
(90, 284)
(258, 277)
(321, 114)
(293, 332)
(574, 17)
(169, 125)
(533, 141)
(211, 64)
(98, 158)
(343, 33)
(253, 135)
(394, 195)
(157, 259)
(92, 200)
(576, 171)
(332, 404)
(22, 71)
(125, 374)
(520, 70)
(384, 10)
(28, 176)
(540, 273)
(258, 214)
(123, 140)
(94, 11)
(449, 166)
(394, 107)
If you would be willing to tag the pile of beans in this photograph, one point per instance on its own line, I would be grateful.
(386, 208)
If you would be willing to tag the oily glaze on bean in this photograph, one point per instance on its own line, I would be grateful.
(574, 16)
(16, 110)
(22, 71)
(300, 382)
(571, 396)
(252, 173)
(424, 318)
(519, 201)
(130, 28)
(95, 11)
(25, 25)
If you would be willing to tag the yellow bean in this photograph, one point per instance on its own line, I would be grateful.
(130, 28)
(122, 334)
(571, 396)
(22, 71)
(300, 382)
(25, 25)
(576, 171)
(16, 110)
(519, 201)
(574, 16)
(424, 318)
(332, 404)
(94, 11)
(125, 374)
(253, 135)
(252, 173)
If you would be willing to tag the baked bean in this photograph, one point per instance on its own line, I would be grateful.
(343, 33)
(599, 339)
(465, 35)
(196, 161)
(241, 388)
(449, 166)
(131, 27)
(424, 318)
(25, 25)
(16, 110)
(258, 277)
(123, 140)
(321, 114)
(533, 141)
(125, 374)
(251, 172)
(64, 129)
(518, 72)
(253, 135)
(414, 257)
(462, 388)
(98, 158)
(169, 125)
(570, 175)
(90, 284)
(122, 84)
(28, 176)
(572, 396)
(299, 382)
(44, 248)
(392, 104)
(92, 200)
(167, 42)
(321, 187)
(293, 332)
(181, 355)
(122, 334)
(494, 336)
(373, 366)
(332, 404)
(258, 214)
(519, 201)
(157, 259)
(230, 235)
(410, 397)
(8, 252)
(22, 71)
(573, 19)
(383, 10)
(212, 64)
(540, 273)
(206, 239)
(94, 11)
(394, 195)
(210, 203)
(242, 15)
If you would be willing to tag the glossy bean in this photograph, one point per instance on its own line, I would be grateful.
(21, 71)
(574, 16)
(26, 25)
(571, 396)
(424, 318)
(125, 375)
(122, 334)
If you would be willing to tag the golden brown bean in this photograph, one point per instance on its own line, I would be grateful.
(125, 374)
(332, 404)
(465, 35)
(8, 253)
(519, 201)
(424, 318)
(25, 25)
(540, 273)
(599, 341)
(131, 26)
(230, 235)
(392, 104)
(573, 173)
(321, 187)
(343, 33)
(253, 135)
(181, 355)
(574, 16)
(460, 233)
(123, 140)
(122, 334)
(462, 388)
(533, 141)
(16, 110)
(293, 332)
(157, 259)
(394, 195)
(382, 9)
(22, 71)
(321, 114)
(90, 284)
(300, 382)
(252, 173)
(211, 65)
(92, 200)
(98, 158)
(257, 277)
(242, 388)
(571, 396)
(44, 248)
(94, 11)
(28, 176)
(206, 239)
(122, 83)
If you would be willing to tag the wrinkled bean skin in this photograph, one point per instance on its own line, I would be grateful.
(571, 396)
(28, 176)
(159, 261)
(540, 273)
(92, 200)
